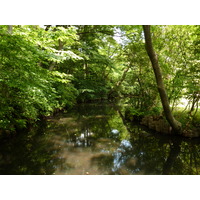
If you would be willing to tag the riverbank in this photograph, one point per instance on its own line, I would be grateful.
(159, 124)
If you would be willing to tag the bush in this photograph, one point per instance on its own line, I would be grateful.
(134, 114)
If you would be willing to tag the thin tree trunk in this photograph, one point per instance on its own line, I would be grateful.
(120, 81)
(195, 101)
(85, 67)
(52, 66)
(10, 29)
(60, 47)
(123, 76)
(176, 126)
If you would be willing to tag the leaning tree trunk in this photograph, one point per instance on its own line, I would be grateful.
(176, 126)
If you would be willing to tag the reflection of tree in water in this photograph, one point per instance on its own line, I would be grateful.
(146, 153)
(103, 161)
(183, 158)
(160, 154)
(84, 123)
(121, 155)
(87, 123)
(115, 161)
(28, 154)
(173, 154)
(149, 153)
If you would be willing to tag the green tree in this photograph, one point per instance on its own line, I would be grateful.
(28, 90)
(176, 126)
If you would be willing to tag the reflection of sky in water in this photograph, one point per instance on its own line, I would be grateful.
(82, 140)
(119, 157)
(125, 144)
(99, 143)
(107, 145)
(114, 131)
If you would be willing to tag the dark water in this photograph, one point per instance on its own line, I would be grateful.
(95, 139)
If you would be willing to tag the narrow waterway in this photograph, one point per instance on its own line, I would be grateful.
(95, 139)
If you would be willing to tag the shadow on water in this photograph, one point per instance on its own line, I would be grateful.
(28, 153)
(96, 139)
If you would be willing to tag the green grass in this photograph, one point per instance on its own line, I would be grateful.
(185, 119)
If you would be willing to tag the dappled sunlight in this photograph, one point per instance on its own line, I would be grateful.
(111, 147)
(99, 99)
(72, 143)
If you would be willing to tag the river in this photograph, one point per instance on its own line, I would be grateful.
(94, 139)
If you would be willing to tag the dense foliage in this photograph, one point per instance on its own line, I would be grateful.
(47, 68)
(29, 90)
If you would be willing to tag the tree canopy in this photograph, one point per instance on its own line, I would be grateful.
(51, 67)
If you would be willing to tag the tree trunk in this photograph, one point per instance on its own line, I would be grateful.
(123, 77)
(176, 126)
(85, 67)
(10, 29)
(60, 47)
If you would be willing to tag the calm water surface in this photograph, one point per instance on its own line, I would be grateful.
(95, 139)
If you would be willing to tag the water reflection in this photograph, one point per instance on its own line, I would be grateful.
(29, 153)
(96, 139)
(120, 156)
